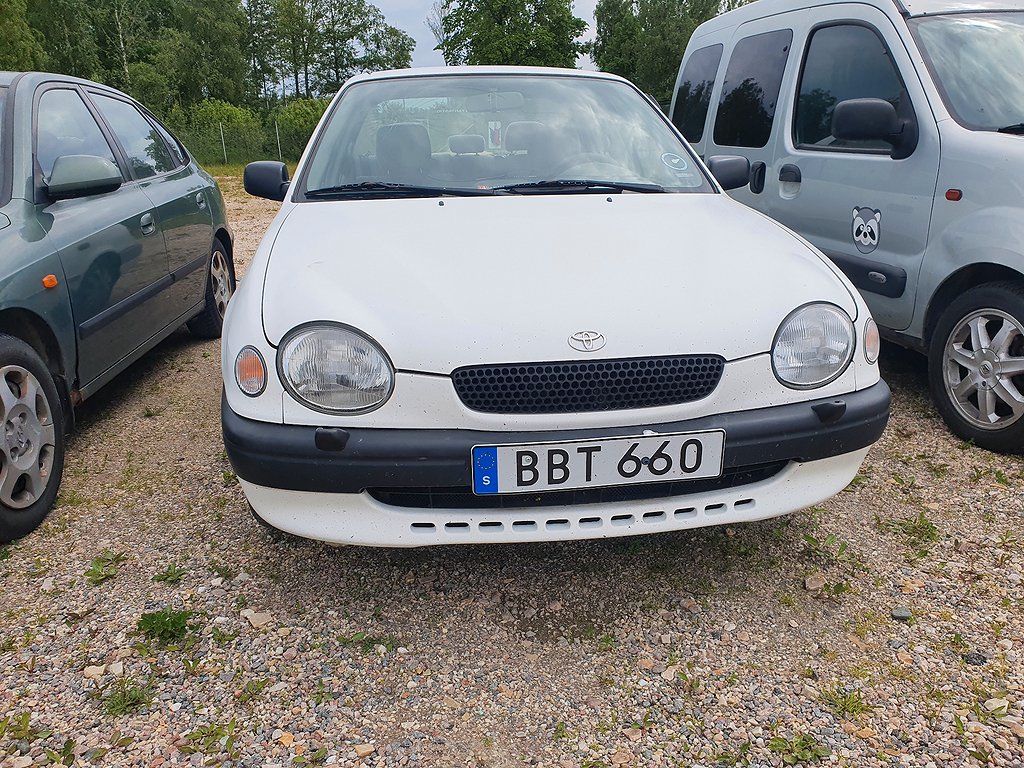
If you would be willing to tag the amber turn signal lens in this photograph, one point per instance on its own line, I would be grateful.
(872, 341)
(50, 281)
(250, 371)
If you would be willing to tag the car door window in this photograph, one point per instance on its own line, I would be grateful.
(844, 61)
(176, 150)
(750, 91)
(145, 148)
(64, 126)
(694, 95)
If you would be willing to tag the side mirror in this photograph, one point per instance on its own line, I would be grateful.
(874, 120)
(266, 178)
(82, 175)
(731, 171)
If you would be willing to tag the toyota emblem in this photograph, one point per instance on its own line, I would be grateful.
(587, 341)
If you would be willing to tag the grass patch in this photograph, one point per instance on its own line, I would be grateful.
(850, 704)
(170, 575)
(226, 572)
(802, 748)
(368, 642)
(918, 530)
(127, 696)
(212, 739)
(251, 690)
(104, 567)
(165, 626)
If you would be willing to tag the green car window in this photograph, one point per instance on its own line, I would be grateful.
(145, 148)
(64, 126)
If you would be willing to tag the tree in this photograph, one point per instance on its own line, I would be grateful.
(518, 32)
(644, 40)
(299, 25)
(65, 29)
(20, 49)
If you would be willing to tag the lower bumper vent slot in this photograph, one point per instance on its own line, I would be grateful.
(654, 517)
(744, 504)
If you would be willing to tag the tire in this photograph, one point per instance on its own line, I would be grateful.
(976, 366)
(31, 439)
(220, 286)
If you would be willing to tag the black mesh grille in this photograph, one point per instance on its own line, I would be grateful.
(599, 385)
(464, 498)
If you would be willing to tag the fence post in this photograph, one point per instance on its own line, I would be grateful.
(223, 146)
(277, 130)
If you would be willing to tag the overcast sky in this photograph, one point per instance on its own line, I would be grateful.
(411, 15)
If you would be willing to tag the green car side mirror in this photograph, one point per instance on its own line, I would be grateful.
(82, 175)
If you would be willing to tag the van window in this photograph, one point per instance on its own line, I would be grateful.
(694, 95)
(751, 89)
(845, 61)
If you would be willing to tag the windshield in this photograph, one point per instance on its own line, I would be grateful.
(477, 132)
(977, 60)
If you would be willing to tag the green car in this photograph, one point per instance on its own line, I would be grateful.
(111, 237)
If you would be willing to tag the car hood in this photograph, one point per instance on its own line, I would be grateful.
(444, 283)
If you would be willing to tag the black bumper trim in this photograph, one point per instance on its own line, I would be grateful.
(287, 457)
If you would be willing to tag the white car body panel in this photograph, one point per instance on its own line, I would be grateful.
(653, 273)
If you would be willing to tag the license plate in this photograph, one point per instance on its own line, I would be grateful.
(602, 462)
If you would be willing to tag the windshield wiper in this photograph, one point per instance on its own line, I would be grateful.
(374, 188)
(1016, 128)
(580, 185)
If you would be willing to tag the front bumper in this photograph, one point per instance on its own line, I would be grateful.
(350, 461)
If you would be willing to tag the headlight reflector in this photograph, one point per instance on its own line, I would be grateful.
(813, 346)
(335, 369)
(250, 371)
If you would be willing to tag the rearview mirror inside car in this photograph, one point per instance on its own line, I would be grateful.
(82, 175)
(266, 178)
(731, 171)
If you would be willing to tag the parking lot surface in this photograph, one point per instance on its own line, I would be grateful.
(151, 621)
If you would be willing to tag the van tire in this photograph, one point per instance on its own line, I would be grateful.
(978, 334)
(31, 439)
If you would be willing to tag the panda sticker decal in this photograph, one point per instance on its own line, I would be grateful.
(867, 229)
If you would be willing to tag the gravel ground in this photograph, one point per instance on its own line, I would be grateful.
(883, 628)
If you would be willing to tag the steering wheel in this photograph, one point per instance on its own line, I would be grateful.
(589, 160)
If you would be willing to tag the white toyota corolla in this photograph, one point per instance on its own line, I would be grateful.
(504, 305)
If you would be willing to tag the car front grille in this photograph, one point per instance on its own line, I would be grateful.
(598, 385)
(464, 498)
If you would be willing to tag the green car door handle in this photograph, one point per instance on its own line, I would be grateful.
(200, 200)
(147, 224)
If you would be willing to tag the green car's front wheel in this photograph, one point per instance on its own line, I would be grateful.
(31, 439)
(220, 286)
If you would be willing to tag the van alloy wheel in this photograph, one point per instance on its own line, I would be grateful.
(28, 442)
(984, 368)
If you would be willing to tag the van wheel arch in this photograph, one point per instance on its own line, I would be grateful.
(962, 280)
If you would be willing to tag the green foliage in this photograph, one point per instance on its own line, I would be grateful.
(296, 121)
(803, 748)
(644, 40)
(19, 48)
(199, 128)
(170, 575)
(850, 704)
(127, 696)
(103, 567)
(165, 626)
(518, 32)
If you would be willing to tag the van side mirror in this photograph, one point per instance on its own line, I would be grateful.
(731, 171)
(874, 120)
(81, 176)
(266, 178)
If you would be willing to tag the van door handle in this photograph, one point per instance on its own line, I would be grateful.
(758, 171)
(790, 173)
(200, 201)
(147, 224)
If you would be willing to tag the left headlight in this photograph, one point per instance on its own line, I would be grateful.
(813, 346)
(335, 369)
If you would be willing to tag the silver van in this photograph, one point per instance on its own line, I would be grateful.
(890, 134)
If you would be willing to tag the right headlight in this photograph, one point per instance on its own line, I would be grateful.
(813, 346)
(335, 369)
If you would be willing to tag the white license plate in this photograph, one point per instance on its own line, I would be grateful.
(529, 468)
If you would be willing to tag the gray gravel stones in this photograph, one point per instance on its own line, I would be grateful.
(901, 613)
(701, 648)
